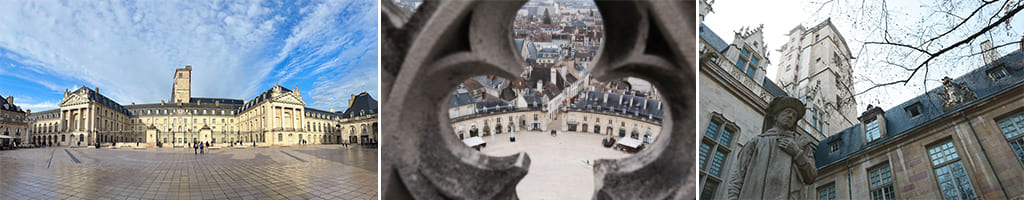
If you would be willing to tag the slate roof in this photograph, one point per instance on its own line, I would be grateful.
(362, 105)
(519, 45)
(772, 88)
(206, 100)
(532, 100)
(460, 99)
(9, 106)
(266, 95)
(620, 103)
(494, 105)
(899, 123)
(542, 74)
(317, 112)
(532, 50)
(711, 38)
(103, 100)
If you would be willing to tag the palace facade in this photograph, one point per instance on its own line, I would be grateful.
(277, 116)
(13, 123)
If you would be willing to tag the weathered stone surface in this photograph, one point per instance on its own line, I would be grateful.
(426, 54)
(778, 163)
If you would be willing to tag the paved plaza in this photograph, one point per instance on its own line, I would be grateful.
(560, 167)
(297, 172)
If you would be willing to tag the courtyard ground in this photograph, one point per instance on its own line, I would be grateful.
(560, 167)
(297, 172)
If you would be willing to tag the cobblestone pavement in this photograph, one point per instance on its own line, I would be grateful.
(560, 166)
(299, 172)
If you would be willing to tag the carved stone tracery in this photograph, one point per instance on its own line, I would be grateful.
(954, 94)
(426, 54)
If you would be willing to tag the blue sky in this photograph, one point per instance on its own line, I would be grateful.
(912, 22)
(237, 49)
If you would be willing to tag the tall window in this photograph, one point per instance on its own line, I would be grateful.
(816, 120)
(953, 180)
(871, 130)
(714, 148)
(827, 192)
(1012, 130)
(880, 180)
(746, 61)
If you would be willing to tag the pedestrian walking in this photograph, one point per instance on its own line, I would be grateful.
(195, 147)
(201, 148)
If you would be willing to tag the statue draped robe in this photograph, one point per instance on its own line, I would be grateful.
(765, 171)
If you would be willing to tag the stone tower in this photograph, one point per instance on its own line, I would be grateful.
(182, 85)
(815, 67)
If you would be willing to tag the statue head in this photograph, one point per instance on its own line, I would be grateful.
(783, 112)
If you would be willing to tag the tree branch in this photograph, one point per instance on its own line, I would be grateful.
(901, 45)
(961, 22)
(993, 48)
(968, 39)
(880, 85)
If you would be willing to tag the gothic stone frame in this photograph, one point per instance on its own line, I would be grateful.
(426, 54)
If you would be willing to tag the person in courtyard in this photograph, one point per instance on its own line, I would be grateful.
(195, 147)
(201, 150)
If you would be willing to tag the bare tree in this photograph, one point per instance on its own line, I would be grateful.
(895, 42)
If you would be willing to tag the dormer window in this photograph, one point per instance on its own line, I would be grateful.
(746, 62)
(997, 72)
(913, 109)
(871, 131)
(873, 123)
(834, 145)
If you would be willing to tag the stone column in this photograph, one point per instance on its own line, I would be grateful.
(298, 118)
(63, 121)
(86, 118)
(273, 118)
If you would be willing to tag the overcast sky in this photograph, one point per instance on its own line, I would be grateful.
(237, 49)
(780, 16)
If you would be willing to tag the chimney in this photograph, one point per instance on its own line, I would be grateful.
(554, 75)
(216, 103)
(10, 100)
(331, 109)
(1022, 43)
(350, 100)
(988, 53)
(97, 90)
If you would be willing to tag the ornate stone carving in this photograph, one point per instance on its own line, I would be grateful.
(953, 94)
(291, 99)
(779, 162)
(74, 99)
(426, 54)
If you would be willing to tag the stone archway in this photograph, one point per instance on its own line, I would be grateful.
(448, 41)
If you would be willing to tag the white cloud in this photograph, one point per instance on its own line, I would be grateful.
(130, 49)
(46, 105)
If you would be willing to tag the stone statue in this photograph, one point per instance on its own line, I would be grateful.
(777, 163)
(953, 93)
